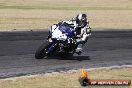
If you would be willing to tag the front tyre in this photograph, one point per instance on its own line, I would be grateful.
(41, 51)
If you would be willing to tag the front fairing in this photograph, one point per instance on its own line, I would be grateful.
(61, 31)
(66, 29)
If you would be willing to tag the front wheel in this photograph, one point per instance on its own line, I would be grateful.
(41, 51)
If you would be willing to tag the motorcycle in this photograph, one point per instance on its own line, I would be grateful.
(61, 42)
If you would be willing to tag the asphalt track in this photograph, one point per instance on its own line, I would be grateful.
(104, 48)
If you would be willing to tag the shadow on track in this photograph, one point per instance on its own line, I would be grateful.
(78, 58)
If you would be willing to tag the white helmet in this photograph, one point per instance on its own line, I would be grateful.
(81, 20)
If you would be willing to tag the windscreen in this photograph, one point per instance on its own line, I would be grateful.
(66, 29)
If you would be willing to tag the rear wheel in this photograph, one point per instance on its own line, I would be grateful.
(41, 51)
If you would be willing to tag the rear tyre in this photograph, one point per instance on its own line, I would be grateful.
(41, 51)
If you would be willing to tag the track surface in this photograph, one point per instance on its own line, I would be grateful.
(104, 48)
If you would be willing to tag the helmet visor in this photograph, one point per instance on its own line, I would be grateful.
(81, 22)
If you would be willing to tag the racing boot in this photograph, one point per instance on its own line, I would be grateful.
(79, 49)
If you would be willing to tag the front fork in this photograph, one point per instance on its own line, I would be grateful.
(51, 48)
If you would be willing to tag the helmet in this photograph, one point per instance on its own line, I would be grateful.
(81, 20)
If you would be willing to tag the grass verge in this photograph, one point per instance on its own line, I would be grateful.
(41, 14)
(67, 80)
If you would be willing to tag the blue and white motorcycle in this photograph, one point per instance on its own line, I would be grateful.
(61, 42)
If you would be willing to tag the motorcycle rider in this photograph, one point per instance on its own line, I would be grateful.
(82, 30)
